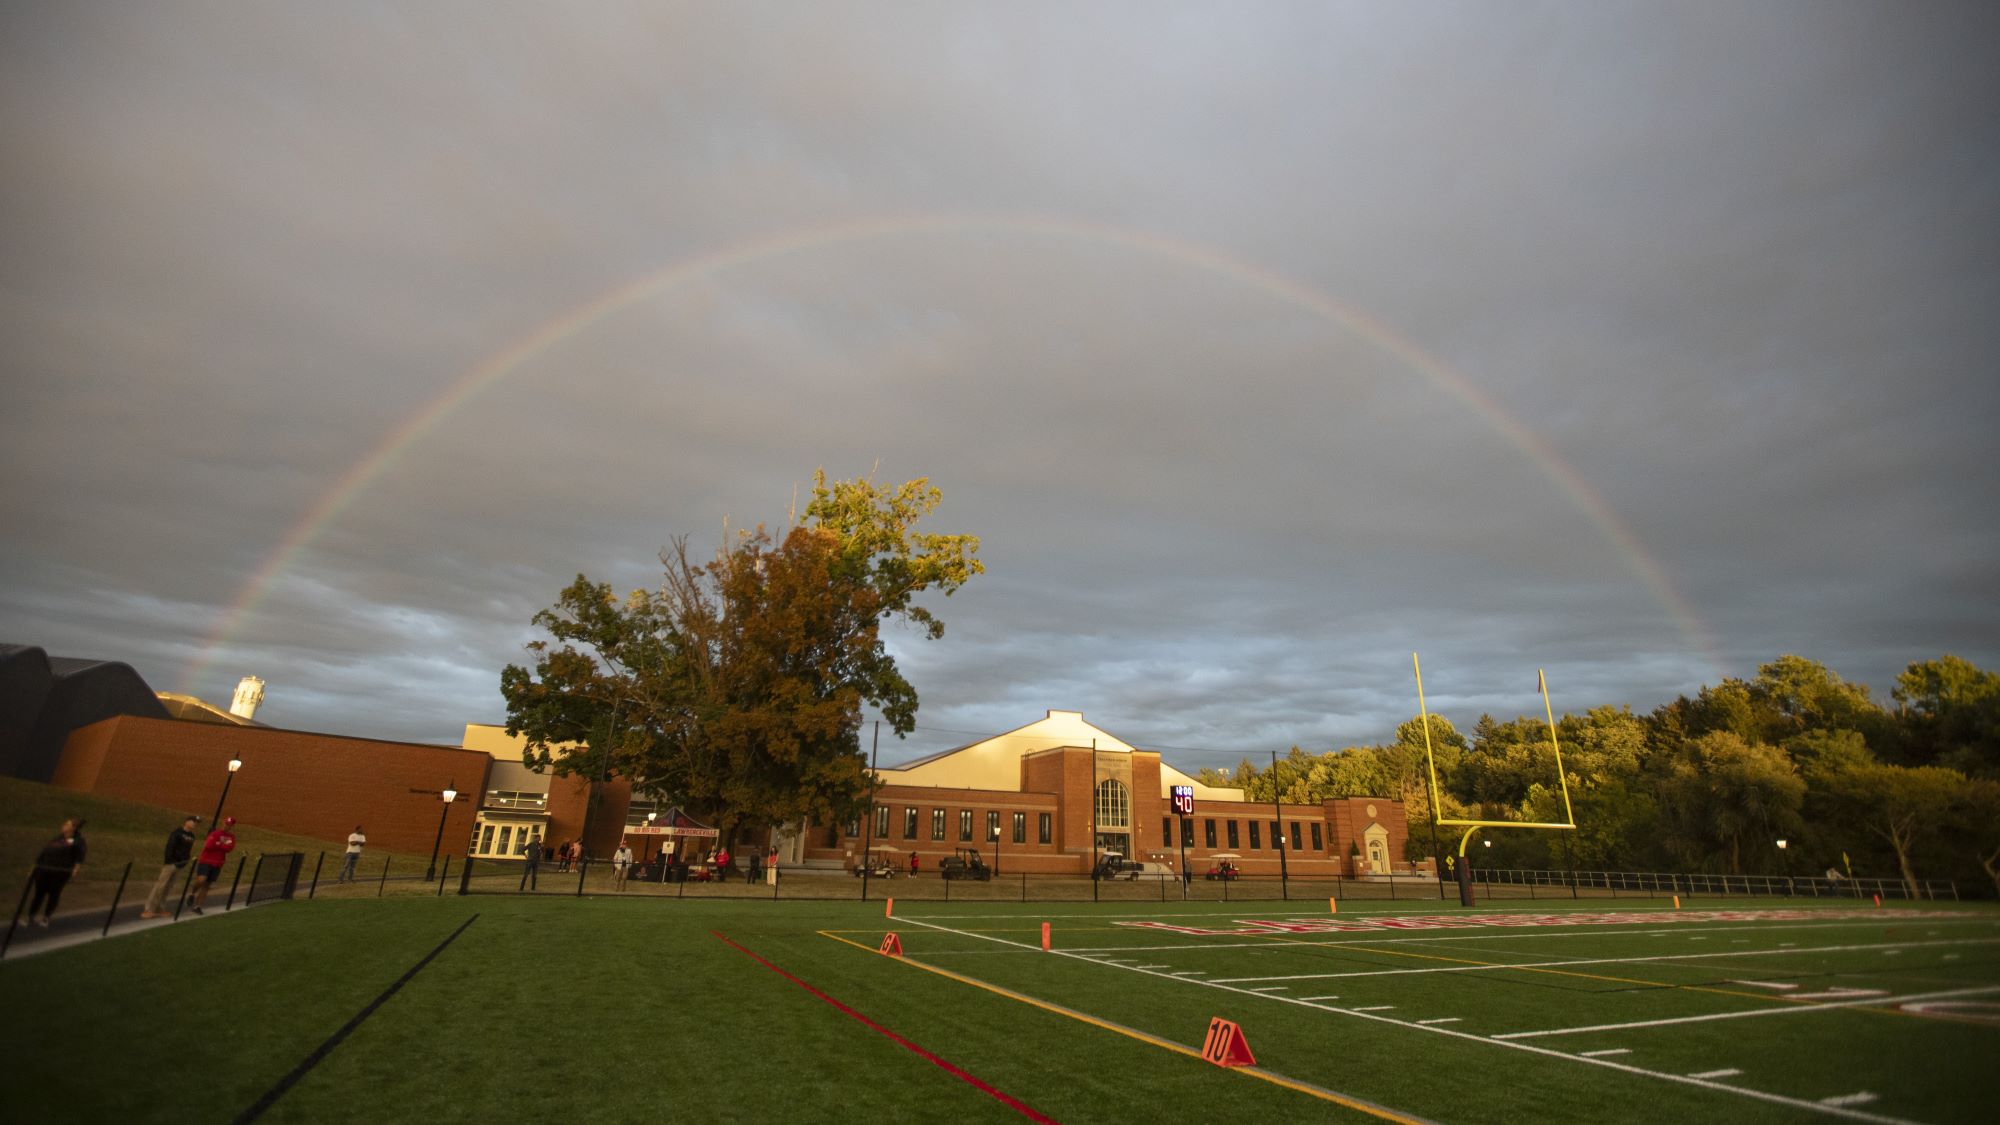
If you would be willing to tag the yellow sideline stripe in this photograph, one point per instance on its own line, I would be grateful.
(1151, 1040)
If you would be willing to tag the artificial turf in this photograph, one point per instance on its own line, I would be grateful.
(647, 1008)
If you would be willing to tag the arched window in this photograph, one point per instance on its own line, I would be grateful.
(1114, 808)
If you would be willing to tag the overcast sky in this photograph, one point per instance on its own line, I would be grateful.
(1262, 345)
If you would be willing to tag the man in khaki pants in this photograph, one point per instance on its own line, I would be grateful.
(180, 845)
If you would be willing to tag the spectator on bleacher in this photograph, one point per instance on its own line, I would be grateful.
(60, 858)
(180, 847)
(208, 868)
(349, 861)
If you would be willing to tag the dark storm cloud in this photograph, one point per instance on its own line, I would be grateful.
(1732, 267)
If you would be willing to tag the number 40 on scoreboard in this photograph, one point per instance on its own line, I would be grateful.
(1183, 797)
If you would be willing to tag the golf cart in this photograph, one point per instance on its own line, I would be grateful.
(1113, 865)
(1225, 867)
(880, 862)
(964, 863)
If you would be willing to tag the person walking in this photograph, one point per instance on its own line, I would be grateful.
(60, 858)
(180, 848)
(355, 842)
(533, 854)
(208, 867)
(621, 862)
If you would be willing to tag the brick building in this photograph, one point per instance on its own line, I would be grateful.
(294, 781)
(1053, 796)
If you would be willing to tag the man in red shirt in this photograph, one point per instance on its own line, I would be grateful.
(214, 853)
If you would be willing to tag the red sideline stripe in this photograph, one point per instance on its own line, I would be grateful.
(1015, 1104)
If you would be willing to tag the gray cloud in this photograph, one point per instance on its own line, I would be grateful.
(1732, 267)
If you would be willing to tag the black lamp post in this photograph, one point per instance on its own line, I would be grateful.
(996, 851)
(234, 765)
(450, 794)
(214, 822)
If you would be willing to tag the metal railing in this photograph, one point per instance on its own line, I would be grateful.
(1541, 883)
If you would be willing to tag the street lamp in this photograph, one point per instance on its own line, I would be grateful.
(450, 794)
(214, 822)
(649, 831)
(996, 851)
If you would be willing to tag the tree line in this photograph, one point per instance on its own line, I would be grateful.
(1709, 783)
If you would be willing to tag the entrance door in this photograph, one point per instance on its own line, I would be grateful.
(1120, 842)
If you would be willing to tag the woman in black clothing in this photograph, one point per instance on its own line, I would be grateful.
(61, 858)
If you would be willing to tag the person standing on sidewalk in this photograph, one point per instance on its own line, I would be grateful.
(60, 858)
(208, 867)
(355, 842)
(180, 846)
(621, 862)
(533, 854)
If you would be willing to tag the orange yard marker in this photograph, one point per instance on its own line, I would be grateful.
(891, 945)
(1045, 937)
(1333, 906)
(1226, 1046)
(889, 907)
(1878, 902)
(1677, 902)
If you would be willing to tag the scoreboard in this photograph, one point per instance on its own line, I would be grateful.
(1183, 798)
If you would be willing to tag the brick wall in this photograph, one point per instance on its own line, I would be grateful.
(292, 781)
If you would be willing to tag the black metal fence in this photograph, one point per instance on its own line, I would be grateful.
(512, 877)
(1530, 883)
(276, 876)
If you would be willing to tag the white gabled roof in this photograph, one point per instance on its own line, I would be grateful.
(995, 763)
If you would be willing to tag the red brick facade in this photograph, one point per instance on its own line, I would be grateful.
(1059, 784)
(309, 784)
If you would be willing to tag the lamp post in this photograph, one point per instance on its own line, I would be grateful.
(650, 817)
(214, 822)
(996, 851)
(1784, 868)
(234, 765)
(450, 794)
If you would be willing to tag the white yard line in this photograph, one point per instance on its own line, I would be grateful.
(1529, 1048)
(1789, 1010)
(1608, 1051)
(1447, 1019)
(1612, 961)
(1861, 1098)
(1725, 1072)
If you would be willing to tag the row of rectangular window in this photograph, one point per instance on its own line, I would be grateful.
(1045, 829)
(1045, 826)
(1256, 834)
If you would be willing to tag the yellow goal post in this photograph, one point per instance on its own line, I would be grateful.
(1473, 826)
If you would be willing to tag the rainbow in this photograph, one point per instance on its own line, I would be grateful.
(500, 364)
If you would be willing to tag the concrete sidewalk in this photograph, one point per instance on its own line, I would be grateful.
(79, 927)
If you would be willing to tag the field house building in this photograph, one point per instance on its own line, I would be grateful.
(1046, 798)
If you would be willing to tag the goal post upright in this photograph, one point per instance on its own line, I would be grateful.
(1568, 824)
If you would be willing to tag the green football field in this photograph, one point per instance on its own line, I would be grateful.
(609, 1009)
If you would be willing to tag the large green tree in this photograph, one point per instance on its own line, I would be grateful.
(737, 686)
